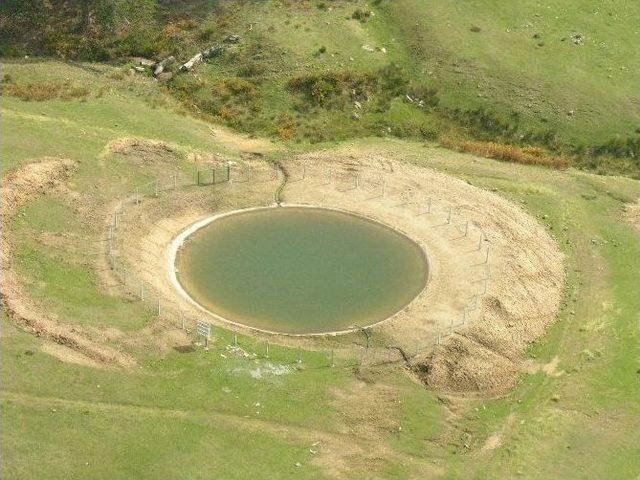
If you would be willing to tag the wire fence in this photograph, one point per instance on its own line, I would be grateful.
(367, 347)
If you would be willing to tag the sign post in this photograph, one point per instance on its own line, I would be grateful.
(204, 329)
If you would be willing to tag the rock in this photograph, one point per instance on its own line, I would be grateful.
(297, 464)
(192, 61)
(570, 113)
(368, 48)
(213, 51)
(145, 62)
(577, 38)
(138, 69)
(357, 104)
(164, 76)
(232, 39)
(159, 67)
(355, 116)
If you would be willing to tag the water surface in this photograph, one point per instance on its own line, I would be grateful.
(301, 270)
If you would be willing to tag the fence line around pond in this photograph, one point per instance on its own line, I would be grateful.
(367, 353)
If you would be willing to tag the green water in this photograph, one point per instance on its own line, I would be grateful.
(301, 270)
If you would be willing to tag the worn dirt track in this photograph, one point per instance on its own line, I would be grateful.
(18, 188)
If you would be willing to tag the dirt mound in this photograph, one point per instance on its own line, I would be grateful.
(18, 188)
(144, 152)
(632, 214)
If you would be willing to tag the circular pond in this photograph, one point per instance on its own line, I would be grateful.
(300, 270)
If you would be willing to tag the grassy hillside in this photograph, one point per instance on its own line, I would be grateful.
(568, 72)
(559, 78)
(201, 415)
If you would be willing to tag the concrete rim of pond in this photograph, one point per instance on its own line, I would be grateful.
(179, 240)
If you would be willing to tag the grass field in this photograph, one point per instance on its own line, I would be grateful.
(533, 73)
(203, 415)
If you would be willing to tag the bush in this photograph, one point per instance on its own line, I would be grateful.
(40, 92)
(361, 15)
(510, 153)
(334, 90)
(286, 128)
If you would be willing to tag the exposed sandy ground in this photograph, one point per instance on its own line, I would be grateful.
(525, 267)
(632, 214)
(242, 143)
(18, 188)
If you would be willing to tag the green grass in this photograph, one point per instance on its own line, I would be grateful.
(194, 415)
(503, 70)
(511, 73)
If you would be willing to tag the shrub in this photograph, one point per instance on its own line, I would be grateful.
(40, 92)
(286, 128)
(361, 15)
(510, 153)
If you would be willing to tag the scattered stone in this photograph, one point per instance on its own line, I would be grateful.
(164, 76)
(297, 464)
(368, 48)
(159, 67)
(138, 69)
(577, 38)
(355, 116)
(213, 51)
(232, 39)
(197, 58)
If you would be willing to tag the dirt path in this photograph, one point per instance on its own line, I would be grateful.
(18, 188)
(340, 454)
